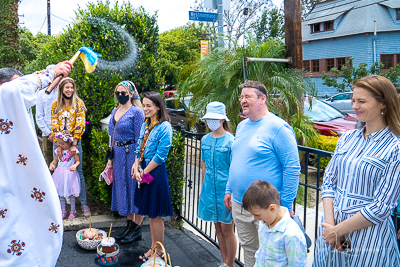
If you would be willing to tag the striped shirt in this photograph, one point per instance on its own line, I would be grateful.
(282, 245)
(363, 176)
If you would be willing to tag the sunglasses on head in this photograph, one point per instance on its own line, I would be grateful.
(120, 93)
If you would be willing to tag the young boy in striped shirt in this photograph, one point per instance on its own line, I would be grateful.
(281, 241)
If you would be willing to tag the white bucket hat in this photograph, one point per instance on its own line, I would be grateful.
(215, 111)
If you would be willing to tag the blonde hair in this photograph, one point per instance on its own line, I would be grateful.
(135, 102)
(383, 90)
(74, 100)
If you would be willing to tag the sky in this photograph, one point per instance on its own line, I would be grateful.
(171, 14)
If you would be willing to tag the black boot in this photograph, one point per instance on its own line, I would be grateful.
(129, 227)
(135, 235)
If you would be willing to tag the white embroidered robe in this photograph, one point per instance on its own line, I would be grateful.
(31, 227)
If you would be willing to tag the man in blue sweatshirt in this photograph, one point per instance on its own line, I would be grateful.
(264, 149)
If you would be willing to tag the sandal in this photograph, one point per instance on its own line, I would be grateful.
(143, 257)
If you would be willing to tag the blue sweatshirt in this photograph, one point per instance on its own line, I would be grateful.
(266, 150)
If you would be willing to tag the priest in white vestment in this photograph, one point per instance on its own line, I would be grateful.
(31, 227)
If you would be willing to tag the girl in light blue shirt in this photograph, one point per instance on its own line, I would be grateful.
(216, 159)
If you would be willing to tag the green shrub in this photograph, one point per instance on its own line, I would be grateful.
(327, 143)
(97, 89)
(176, 178)
(9, 54)
(96, 159)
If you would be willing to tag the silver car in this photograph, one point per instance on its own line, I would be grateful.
(341, 101)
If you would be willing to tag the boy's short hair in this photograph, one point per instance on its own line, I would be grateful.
(260, 194)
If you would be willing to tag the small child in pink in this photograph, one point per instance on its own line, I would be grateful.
(66, 177)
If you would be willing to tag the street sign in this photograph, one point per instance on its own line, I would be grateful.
(203, 16)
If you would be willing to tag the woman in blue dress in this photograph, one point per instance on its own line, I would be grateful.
(153, 199)
(125, 124)
(216, 160)
(361, 183)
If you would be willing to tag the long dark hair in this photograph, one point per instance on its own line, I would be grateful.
(159, 102)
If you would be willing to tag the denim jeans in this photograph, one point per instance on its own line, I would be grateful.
(82, 195)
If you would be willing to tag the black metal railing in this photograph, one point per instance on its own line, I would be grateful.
(306, 204)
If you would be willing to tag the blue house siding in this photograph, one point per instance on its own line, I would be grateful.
(360, 47)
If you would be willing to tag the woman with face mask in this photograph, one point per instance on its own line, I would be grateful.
(124, 128)
(216, 160)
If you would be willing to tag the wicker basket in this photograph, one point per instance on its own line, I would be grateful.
(153, 261)
(88, 244)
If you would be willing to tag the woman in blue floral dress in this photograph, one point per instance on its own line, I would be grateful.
(126, 120)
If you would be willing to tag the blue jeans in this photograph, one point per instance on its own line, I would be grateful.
(82, 195)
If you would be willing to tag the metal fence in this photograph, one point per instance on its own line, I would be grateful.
(307, 204)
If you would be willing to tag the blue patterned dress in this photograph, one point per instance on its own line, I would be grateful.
(123, 187)
(216, 153)
(363, 176)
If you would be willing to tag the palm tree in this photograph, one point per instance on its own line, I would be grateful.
(217, 78)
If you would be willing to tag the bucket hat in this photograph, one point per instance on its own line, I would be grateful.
(215, 111)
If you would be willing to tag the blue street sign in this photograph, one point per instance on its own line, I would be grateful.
(203, 16)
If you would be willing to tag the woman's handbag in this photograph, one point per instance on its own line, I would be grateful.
(107, 174)
(155, 261)
(147, 178)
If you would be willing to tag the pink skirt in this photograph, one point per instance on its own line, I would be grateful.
(67, 182)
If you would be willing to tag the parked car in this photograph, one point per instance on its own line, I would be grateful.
(169, 93)
(327, 119)
(341, 101)
(179, 112)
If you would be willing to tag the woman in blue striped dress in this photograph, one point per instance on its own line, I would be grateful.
(361, 183)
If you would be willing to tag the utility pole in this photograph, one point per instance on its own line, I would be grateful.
(293, 33)
(220, 18)
(48, 18)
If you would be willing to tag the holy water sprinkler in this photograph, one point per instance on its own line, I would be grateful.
(89, 58)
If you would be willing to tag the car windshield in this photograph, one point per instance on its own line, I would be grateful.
(321, 111)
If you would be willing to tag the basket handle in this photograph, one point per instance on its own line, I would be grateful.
(154, 251)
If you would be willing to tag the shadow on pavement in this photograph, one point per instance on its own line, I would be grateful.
(185, 249)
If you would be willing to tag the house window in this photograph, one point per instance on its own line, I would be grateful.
(316, 27)
(328, 25)
(398, 13)
(315, 65)
(398, 59)
(387, 61)
(341, 61)
(330, 63)
(322, 27)
(306, 65)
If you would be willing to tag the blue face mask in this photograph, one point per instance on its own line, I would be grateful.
(213, 124)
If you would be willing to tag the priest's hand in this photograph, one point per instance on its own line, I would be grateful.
(63, 68)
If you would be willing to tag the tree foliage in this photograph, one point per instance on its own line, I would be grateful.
(31, 45)
(350, 74)
(270, 24)
(235, 21)
(96, 89)
(217, 78)
(9, 54)
(179, 47)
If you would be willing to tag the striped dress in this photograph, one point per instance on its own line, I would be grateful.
(363, 176)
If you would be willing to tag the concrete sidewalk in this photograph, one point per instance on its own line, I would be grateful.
(185, 248)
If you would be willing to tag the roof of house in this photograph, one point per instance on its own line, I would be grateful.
(356, 17)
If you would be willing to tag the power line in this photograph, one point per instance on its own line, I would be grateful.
(60, 18)
(43, 23)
